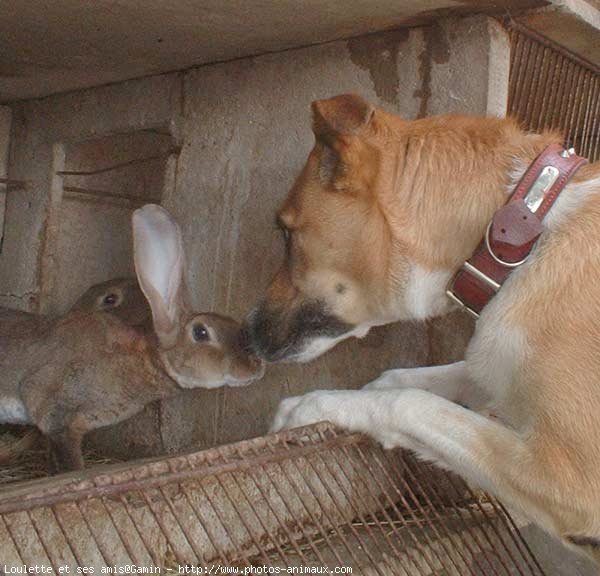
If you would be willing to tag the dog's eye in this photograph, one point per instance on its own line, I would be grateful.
(110, 300)
(285, 231)
(200, 333)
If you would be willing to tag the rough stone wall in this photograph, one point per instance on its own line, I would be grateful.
(244, 132)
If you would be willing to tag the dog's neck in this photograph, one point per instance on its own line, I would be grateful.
(448, 177)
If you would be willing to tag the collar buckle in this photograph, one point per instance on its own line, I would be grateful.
(462, 305)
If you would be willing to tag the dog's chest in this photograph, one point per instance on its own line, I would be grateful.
(495, 359)
(499, 352)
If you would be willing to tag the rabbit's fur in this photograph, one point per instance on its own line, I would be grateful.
(90, 368)
(121, 297)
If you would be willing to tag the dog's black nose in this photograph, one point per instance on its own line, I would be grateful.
(245, 340)
(258, 335)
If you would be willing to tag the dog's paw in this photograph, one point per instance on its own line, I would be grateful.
(390, 379)
(376, 384)
(284, 410)
(308, 409)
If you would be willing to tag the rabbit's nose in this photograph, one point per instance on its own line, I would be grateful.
(258, 366)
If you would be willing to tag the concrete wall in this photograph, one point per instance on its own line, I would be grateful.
(94, 211)
(244, 132)
(5, 122)
(40, 128)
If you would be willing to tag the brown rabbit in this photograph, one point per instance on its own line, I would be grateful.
(121, 297)
(88, 369)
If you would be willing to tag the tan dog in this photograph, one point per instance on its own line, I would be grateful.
(383, 214)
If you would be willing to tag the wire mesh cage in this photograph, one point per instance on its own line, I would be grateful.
(301, 498)
(552, 88)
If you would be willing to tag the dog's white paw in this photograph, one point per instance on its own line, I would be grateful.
(376, 384)
(284, 410)
(390, 379)
(308, 409)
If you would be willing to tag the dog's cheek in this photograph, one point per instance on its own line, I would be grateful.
(281, 292)
(336, 292)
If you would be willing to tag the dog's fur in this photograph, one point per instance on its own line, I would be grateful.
(384, 212)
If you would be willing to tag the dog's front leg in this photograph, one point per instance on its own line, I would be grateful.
(450, 381)
(479, 449)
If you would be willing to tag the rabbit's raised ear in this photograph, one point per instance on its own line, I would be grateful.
(159, 262)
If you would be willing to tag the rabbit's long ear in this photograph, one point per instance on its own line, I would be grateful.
(159, 265)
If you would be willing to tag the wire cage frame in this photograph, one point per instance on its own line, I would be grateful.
(310, 497)
(552, 88)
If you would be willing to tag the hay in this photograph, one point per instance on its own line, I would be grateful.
(24, 455)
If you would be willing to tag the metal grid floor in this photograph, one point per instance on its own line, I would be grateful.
(305, 497)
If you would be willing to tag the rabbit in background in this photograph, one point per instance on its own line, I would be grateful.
(89, 369)
(121, 297)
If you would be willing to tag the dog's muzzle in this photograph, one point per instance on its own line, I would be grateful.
(278, 335)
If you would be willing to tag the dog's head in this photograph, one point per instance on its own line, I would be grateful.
(334, 282)
(382, 215)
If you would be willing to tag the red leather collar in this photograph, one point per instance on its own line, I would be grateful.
(514, 229)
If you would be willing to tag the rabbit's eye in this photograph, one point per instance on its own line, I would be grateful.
(110, 300)
(200, 333)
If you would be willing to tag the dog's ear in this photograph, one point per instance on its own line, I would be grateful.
(343, 115)
(346, 160)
